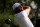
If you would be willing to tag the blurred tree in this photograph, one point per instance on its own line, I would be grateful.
(6, 11)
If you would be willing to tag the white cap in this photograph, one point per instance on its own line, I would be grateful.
(16, 5)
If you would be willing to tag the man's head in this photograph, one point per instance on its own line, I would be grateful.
(17, 6)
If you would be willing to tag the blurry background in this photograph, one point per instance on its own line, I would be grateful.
(7, 13)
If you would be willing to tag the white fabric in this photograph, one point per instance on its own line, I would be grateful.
(16, 5)
(22, 19)
(33, 5)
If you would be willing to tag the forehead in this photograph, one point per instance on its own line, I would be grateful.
(20, 6)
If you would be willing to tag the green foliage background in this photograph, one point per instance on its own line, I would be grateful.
(6, 11)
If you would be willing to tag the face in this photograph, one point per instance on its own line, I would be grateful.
(20, 7)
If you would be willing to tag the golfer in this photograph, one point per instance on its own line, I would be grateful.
(21, 15)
